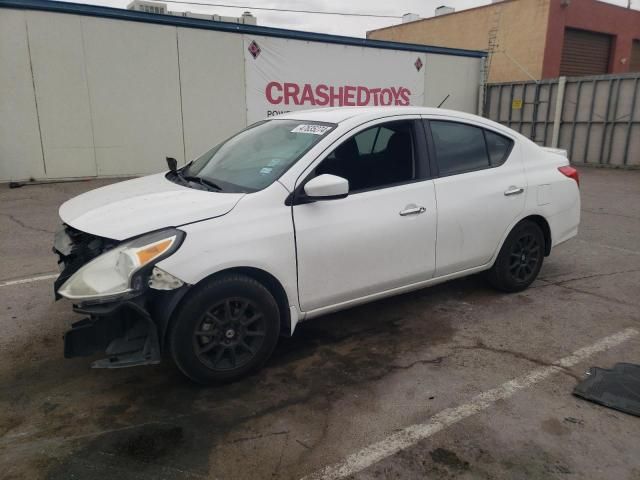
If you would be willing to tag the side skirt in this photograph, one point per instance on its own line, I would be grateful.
(394, 291)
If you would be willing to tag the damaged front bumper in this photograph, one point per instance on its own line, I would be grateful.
(130, 327)
(131, 331)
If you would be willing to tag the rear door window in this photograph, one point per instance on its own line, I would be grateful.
(459, 147)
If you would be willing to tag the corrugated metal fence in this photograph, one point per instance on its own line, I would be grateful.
(598, 121)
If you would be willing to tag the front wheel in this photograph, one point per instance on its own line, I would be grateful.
(520, 258)
(226, 329)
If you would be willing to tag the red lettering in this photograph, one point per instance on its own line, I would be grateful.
(307, 95)
(268, 91)
(335, 99)
(396, 95)
(322, 97)
(362, 98)
(349, 100)
(291, 91)
(404, 93)
(386, 96)
(374, 92)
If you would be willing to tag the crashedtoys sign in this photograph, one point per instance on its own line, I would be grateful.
(334, 96)
(284, 75)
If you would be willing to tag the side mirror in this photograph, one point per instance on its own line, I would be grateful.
(327, 187)
(172, 163)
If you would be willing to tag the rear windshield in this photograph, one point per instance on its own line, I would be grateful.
(258, 155)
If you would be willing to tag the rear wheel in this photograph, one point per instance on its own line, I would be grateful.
(228, 328)
(520, 258)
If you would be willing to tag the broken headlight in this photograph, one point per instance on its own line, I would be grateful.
(117, 272)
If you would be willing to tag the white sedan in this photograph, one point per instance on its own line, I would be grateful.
(301, 215)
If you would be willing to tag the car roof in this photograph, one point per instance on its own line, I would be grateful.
(353, 116)
(340, 114)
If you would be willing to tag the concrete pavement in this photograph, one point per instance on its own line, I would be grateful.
(343, 382)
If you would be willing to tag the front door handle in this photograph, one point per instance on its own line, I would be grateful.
(514, 191)
(412, 211)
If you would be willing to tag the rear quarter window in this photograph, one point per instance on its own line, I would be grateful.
(498, 147)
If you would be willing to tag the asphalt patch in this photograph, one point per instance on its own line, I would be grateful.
(449, 459)
(150, 443)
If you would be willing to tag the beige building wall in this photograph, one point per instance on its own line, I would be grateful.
(522, 30)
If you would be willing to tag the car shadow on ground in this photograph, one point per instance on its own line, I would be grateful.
(148, 419)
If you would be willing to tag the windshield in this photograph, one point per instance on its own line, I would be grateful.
(257, 156)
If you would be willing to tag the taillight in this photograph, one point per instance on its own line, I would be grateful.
(570, 172)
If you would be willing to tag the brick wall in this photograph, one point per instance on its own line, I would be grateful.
(522, 33)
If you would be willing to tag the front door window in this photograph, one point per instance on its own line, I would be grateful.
(377, 157)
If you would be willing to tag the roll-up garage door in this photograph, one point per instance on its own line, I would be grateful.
(634, 64)
(585, 53)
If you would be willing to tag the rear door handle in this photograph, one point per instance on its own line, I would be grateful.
(412, 211)
(514, 191)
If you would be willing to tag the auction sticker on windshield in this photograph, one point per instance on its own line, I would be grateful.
(313, 129)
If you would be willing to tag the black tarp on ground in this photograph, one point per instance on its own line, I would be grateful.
(618, 388)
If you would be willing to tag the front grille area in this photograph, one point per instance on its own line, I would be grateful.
(74, 249)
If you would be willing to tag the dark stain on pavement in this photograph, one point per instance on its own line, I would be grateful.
(149, 443)
(554, 426)
(449, 459)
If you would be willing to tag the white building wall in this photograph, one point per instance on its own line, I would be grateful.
(458, 77)
(57, 57)
(132, 69)
(115, 97)
(20, 149)
(213, 87)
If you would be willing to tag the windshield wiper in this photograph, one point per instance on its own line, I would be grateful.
(172, 163)
(202, 181)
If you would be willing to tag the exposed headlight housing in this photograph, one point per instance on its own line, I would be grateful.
(117, 272)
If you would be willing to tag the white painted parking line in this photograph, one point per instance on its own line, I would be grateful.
(411, 435)
(28, 280)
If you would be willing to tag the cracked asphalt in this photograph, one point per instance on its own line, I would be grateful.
(343, 381)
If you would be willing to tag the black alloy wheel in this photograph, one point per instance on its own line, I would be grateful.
(524, 257)
(520, 258)
(224, 329)
(229, 334)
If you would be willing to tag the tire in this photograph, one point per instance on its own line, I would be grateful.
(227, 328)
(519, 260)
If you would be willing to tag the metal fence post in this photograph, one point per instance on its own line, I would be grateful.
(557, 117)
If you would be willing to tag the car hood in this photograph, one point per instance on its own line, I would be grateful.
(133, 207)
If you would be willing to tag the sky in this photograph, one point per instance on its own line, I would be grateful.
(334, 24)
